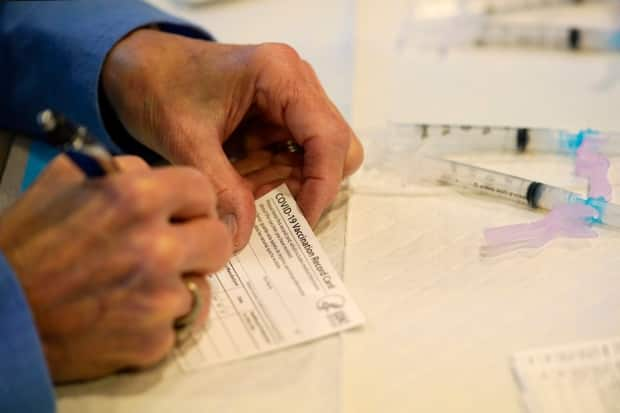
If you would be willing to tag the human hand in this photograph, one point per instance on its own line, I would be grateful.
(102, 261)
(184, 98)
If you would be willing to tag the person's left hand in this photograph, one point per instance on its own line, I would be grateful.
(186, 98)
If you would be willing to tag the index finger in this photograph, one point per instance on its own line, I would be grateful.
(290, 94)
(172, 192)
(331, 151)
(321, 175)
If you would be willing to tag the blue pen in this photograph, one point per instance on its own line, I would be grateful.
(86, 152)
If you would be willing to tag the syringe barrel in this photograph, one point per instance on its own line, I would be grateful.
(512, 188)
(473, 178)
(442, 140)
(445, 140)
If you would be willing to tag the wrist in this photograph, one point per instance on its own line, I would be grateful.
(124, 60)
(124, 90)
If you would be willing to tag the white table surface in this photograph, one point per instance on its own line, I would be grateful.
(442, 322)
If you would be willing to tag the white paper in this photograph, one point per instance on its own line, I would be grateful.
(579, 378)
(280, 290)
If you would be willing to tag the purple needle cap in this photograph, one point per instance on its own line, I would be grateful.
(566, 220)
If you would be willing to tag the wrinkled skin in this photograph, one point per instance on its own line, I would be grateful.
(186, 98)
(101, 261)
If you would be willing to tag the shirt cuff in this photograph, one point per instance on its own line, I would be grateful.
(25, 383)
(56, 51)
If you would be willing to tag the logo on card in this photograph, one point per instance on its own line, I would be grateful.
(329, 302)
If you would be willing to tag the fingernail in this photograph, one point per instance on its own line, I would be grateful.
(231, 223)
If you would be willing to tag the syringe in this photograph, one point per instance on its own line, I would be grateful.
(481, 30)
(499, 33)
(505, 6)
(512, 188)
(445, 139)
(435, 7)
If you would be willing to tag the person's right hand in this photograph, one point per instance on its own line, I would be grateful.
(101, 261)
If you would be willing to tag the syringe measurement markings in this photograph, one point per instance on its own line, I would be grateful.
(488, 185)
(572, 38)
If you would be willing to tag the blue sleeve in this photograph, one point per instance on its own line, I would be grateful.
(25, 385)
(52, 52)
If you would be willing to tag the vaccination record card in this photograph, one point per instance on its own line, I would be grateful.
(279, 291)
